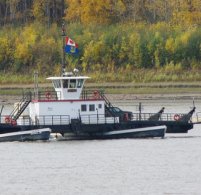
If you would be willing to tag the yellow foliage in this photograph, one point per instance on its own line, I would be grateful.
(29, 35)
(73, 13)
(50, 41)
(169, 45)
(22, 52)
(93, 11)
(26, 39)
(4, 48)
(173, 68)
(185, 37)
(39, 9)
(187, 18)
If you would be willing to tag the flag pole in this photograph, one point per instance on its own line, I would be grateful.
(63, 58)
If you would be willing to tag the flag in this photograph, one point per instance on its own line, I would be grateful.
(71, 47)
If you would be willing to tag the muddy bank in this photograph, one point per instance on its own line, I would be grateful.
(153, 96)
(11, 99)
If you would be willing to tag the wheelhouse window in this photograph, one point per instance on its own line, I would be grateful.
(56, 83)
(91, 107)
(83, 107)
(99, 106)
(72, 83)
(80, 83)
(65, 83)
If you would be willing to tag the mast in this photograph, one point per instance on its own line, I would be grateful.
(63, 57)
(36, 85)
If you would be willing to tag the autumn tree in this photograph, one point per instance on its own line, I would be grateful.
(91, 11)
(186, 12)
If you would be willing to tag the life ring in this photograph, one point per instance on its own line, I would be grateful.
(13, 122)
(176, 117)
(96, 95)
(7, 119)
(48, 95)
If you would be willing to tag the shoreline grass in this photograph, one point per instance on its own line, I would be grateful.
(117, 88)
(135, 76)
(139, 82)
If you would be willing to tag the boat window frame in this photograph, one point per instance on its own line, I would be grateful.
(83, 110)
(80, 83)
(65, 83)
(91, 107)
(72, 85)
(100, 106)
(56, 83)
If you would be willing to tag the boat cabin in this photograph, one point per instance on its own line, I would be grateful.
(68, 87)
(70, 102)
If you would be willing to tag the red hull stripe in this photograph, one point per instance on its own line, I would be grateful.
(80, 100)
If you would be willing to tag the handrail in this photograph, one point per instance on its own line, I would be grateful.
(65, 120)
(163, 116)
(98, 119)
(17, 111)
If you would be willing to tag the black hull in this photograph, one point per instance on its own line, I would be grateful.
(172, 127)
(149, 132)
(8, 128)
(99, 130)
(33, 135)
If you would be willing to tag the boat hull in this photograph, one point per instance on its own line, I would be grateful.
(31, 135)
(148, 132)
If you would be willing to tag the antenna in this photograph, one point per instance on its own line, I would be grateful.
(140, 108)
(36, 85)
(193, 102)
(63, 47)
(191, 107)
(1, 112)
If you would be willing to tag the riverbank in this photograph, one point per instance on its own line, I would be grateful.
(11, 99)
(116, 91)
(159, 88)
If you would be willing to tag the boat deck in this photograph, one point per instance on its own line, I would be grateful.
(97, 122)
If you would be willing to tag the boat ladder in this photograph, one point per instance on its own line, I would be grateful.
(19, 109)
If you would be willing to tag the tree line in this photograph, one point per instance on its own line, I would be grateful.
(103, 11)
(113, 35)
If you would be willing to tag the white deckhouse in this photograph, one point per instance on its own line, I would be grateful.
(68, 101)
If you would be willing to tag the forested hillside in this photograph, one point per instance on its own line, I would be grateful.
(113, 35)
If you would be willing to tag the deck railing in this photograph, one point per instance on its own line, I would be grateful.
(47, 95)
(197, 118)
(40, 121)
(162, 117)
(98, 119)
(93, 119)
(53, 120)
(85, 95)
(61, 120)
(92, 94)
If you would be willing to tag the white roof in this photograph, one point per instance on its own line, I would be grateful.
(69, 77)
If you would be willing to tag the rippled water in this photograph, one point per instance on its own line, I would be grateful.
(125, 166)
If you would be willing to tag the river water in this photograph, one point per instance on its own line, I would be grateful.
(126, 166)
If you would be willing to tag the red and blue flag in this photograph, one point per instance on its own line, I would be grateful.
(71, 47)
